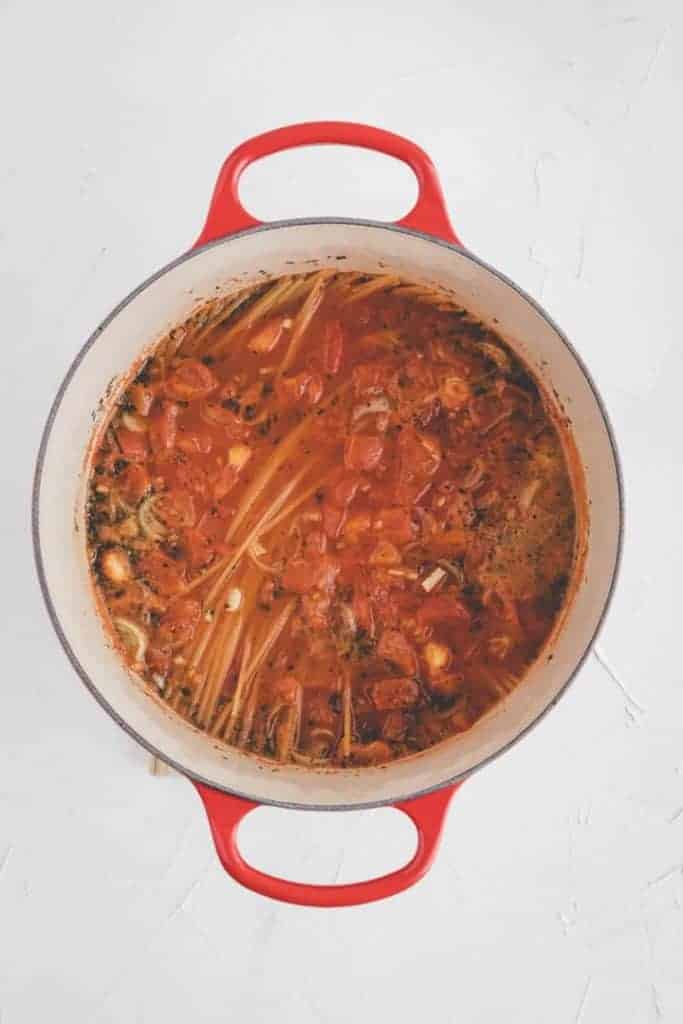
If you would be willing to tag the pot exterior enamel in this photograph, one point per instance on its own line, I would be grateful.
(167, 299)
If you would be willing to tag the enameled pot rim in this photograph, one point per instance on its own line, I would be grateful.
(35, 503)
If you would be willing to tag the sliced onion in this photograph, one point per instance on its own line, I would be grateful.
(528, 494)
(133, 638)
(496, 355)
(369, 408)
(149, 524)
(132, 421)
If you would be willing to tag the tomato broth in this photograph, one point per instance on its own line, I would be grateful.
(330, 520)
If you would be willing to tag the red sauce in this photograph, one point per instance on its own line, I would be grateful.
(335, 524)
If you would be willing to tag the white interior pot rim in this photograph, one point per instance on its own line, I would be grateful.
(35, 507)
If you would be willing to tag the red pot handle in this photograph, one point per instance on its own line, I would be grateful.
(226, 812)
(227, 215)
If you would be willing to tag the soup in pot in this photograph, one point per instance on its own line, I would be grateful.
(331, 520)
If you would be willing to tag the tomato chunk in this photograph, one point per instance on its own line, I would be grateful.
(163, 428)
(164, 574)
(134, 483)
(305, 387)
(178, 624)
(133, 444)
(345, 490)
(363, 614)
(333, 519)
(198, 548)
(363, 451)
(397, 692)
(442, 608)
(369, 378)
(195, 442)
(220, 414)
(175, 509)
(314, 608)
(302, 575)
(419, 454)
(394, 647)
(223, 481)
(315, 543)
(268, 336)
(333, 347)
(158, 660)
(395, 524)
(142, 398)
(191, 478)
(192, 379)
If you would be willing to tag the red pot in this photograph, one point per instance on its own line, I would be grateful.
(231, 250)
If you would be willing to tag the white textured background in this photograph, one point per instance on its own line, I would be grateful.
(556, 127)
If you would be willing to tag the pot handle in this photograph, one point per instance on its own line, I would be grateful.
(225, 812)
(227, 215)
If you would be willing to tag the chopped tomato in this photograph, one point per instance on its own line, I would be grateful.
(301, 575)
(142, 398)
(357, 527)
(333, 347)
(191, 478)
(362, 612)
(345, 490)
(223, 480)
(418, 370)
(395, 726)
(445, 687)
(314, 609)
(192, 379)
(383, 601)
(198, 548)
(133, 444)
(441, 352)
(395, 524)
(374, 377)
(163, 573)
(175, 509)
(158, 660)
(375, 752)
(195, 442)
(221, 414)
(163, 428)
(315, 543)
(385, 554)
(532, 620)
(214, 522)
(363, 451)
(394, 647)
(268, 336)
(397, 692)
(442, 608)
(285, 690)
(454, 393)
(134, 483)
(318, 711)
(178, 624)
(419, 454)
(304, 387)
(329, 427)
(333, 519)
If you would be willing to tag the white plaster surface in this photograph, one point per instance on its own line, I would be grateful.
(558, 892)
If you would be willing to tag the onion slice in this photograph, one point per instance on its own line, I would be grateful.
(133, 638)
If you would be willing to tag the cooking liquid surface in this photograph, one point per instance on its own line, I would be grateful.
(331, 520)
